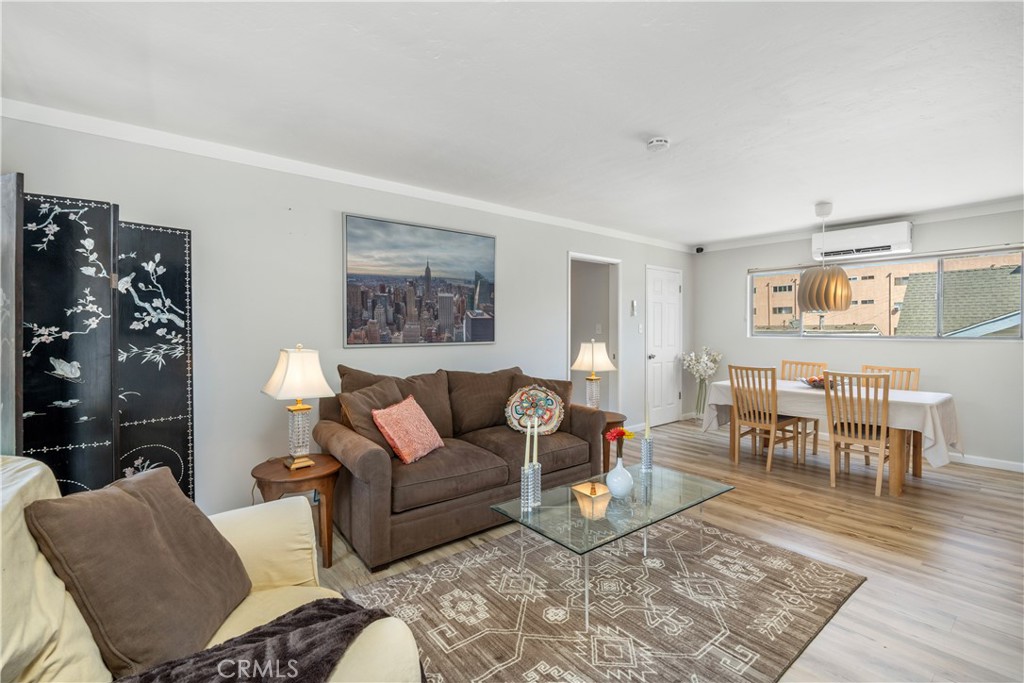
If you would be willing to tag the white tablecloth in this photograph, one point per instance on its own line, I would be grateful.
(931, 413)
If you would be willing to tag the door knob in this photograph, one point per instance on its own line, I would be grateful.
(650, 356)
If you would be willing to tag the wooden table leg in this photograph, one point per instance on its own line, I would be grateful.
(607, 452)
(326, 527)
(918, 439)
(734, 446)
(897, 439)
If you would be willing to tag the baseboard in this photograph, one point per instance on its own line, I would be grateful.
(638, 428)
(993, 463)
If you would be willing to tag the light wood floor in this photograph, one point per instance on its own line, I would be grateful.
(943, 600)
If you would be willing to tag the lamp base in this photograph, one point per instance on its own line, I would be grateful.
(594, 392)
(297, 463)
(298, 429)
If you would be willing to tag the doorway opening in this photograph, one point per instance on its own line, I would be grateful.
(594, 314)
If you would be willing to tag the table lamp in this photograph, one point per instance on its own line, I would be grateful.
(297, 376)
(593, 499)
(593, 356)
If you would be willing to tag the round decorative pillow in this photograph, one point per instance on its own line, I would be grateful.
(527, 403)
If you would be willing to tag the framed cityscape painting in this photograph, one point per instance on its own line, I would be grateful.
(413, 284)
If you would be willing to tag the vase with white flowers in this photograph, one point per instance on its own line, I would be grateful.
(702, 365)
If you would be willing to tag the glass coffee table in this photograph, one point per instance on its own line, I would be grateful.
(581, 517)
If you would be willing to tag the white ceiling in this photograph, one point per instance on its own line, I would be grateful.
(882, 108)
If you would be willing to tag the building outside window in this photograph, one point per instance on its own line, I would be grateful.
(971, 296)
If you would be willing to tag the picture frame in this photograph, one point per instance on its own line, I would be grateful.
(408, 284)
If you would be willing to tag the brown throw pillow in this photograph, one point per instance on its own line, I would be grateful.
(430, 391)
(151, 575)
(562, 387)
(478, 398)
(358, 407)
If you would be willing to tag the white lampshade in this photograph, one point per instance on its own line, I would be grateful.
(297, 376)
(593, 357)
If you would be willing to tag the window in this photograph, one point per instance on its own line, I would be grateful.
(766, 304)
(964, 296)
(980, 297)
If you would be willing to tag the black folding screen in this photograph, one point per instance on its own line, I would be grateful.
(104, 385)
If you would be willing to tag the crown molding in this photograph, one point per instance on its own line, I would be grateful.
(125, 132)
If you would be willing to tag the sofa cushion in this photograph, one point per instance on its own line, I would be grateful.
(358, 407)
(43, 635)
(459, 469)
(562, 387)
(149, 572)
(408, 430)
(554, 451)
(478, 398)
(430, 391)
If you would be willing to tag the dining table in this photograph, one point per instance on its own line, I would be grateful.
(930, 414)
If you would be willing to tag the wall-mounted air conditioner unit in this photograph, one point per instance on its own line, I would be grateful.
(882, 239)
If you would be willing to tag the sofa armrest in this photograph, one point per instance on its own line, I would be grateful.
(588, 424)
(367, 461)
(276, 541)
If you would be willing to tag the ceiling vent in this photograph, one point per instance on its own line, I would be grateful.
(882, 239)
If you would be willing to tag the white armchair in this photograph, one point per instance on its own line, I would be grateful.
(45, 637)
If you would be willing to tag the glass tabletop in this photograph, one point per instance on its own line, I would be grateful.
(582, 517)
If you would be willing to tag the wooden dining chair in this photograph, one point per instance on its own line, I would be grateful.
(858, 417)
(797, 369)
(903, 379)
(755, 399)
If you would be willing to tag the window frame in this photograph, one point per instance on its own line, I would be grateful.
(939, 258)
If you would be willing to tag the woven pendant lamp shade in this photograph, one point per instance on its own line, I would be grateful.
(824, 289)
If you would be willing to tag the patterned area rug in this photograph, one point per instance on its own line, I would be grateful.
(705, 604)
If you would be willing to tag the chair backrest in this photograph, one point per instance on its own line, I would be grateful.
(857, 406)
(905, 379)
(755, 395)
(795, 369)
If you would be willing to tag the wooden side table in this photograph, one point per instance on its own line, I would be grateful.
(613, 420)
(275, 480)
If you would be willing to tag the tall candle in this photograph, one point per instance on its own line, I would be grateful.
(526, 455)
(647, 420)
(535, 434)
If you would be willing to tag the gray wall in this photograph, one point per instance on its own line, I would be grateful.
(984, 376)
(267, 249)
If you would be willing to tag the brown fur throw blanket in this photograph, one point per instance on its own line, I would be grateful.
(302, 645)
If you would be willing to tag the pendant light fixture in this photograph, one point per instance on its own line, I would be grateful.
(824, 288)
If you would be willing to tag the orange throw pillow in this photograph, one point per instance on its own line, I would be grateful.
(407, 428)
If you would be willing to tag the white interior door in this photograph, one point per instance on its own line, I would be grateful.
(664, 344)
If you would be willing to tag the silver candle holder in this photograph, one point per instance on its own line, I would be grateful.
(535, 485)
(646, 454)
(529, 487)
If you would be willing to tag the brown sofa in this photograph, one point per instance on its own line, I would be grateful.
(388, 510)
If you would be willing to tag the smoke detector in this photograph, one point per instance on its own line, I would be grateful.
(658, 144)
